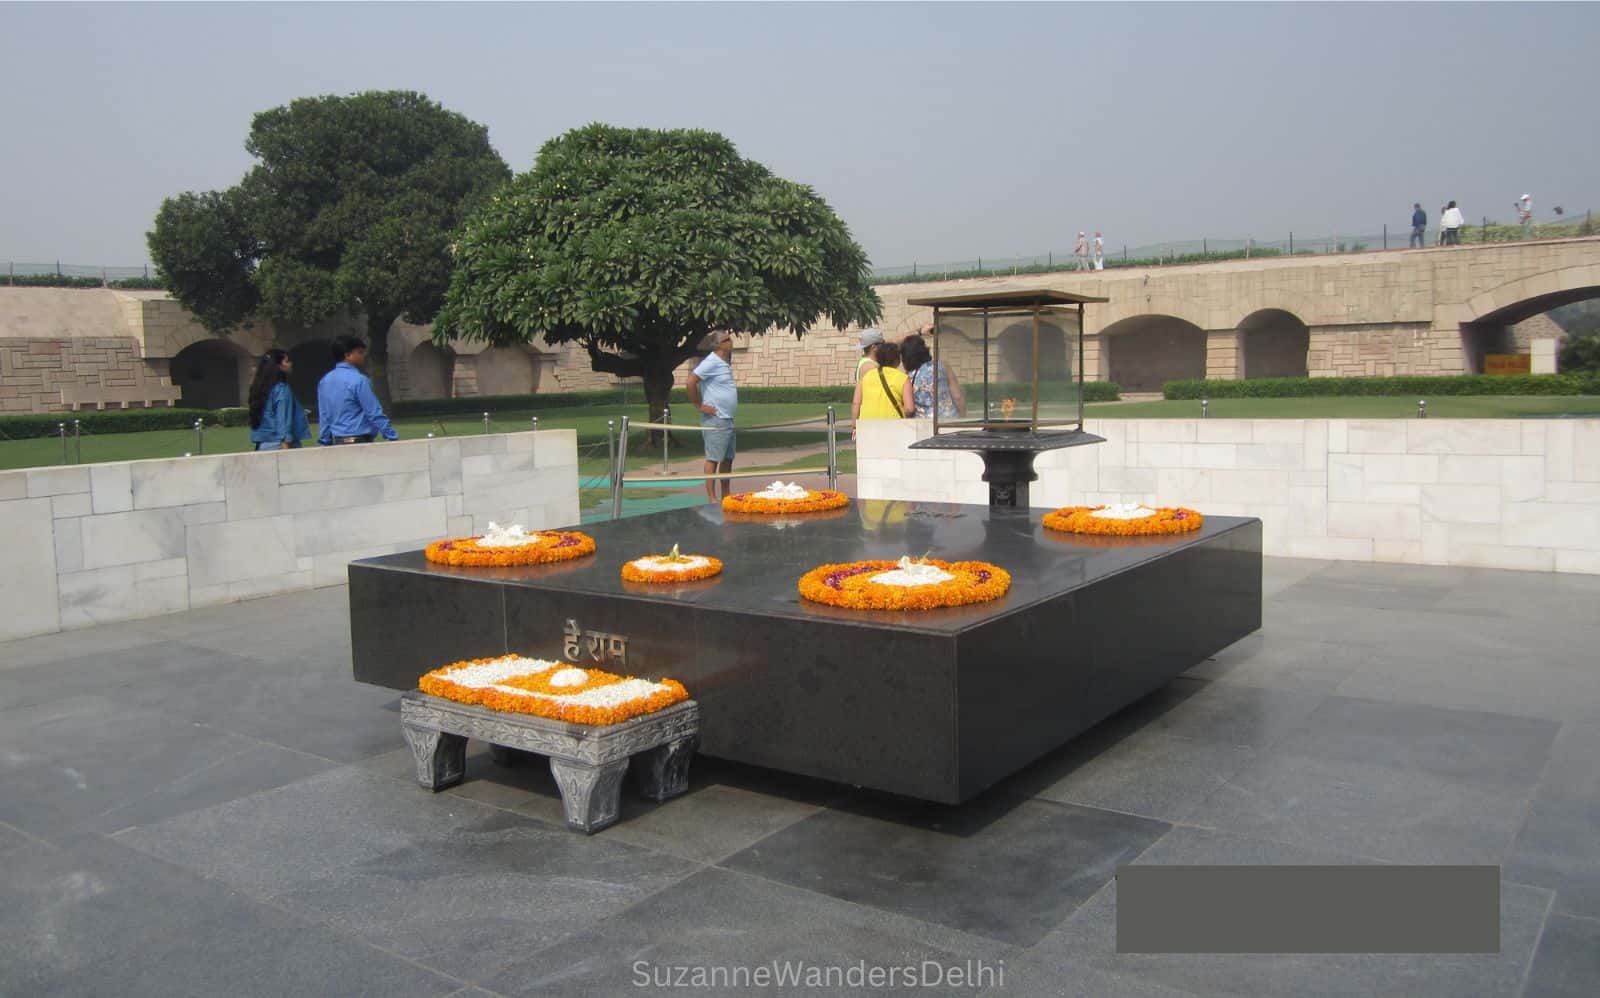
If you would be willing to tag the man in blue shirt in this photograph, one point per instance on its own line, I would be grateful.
(347, 409)
(712, 391)
(1419, 225)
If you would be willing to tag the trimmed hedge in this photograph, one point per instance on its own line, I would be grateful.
(66, 281)
(1418, 385)
(29, 426)
(139, 283)
(51, 281)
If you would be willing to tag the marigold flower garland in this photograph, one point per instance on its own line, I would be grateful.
(558, 691)
(543, 547)
(1123, 521)
(852, 585)
(673, 567)
(781, 498)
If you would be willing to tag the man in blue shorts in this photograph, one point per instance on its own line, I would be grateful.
(712, 391)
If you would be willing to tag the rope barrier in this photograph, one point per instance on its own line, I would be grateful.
(721, 475)
(819, 424)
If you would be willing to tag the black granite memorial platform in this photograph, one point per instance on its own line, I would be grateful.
(937, 704)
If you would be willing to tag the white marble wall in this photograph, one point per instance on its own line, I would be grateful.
(1491, 493)
(105, 542)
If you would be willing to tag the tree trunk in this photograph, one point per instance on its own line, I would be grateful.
(658, 379)
(378, 359)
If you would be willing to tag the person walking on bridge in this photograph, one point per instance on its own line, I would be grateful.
(1080, 253)
(1451, 223)
(1099, 251)
(1419, 225)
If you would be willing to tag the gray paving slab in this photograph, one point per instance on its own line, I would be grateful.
(162, 662)
(206, 804)
(1567, 964)
(1473, 746)
(92, 918)
(1005, 868)
(70, 761)
(480, 896)
(1089, 938)
(1224, 712)
(733, 922)
(1141, 772)
(286, 838)
(1277, 661)
(298, 704)
(45, 648)
(1558, 845)
(1366, 809)
(1523, 683)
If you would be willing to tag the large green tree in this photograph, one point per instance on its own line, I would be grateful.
(349, 211)
(637, 243)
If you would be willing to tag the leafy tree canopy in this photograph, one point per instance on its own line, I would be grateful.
(349, 211)
(636, 243)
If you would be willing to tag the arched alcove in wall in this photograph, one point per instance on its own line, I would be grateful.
(430, 371)
(507, 371)
(208, 373)
(312, 359)
(1143, 352)
(1275, 344)
(1015, 349)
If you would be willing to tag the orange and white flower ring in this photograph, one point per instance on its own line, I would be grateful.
(781, 497)
(510, 545)
(925, 584)
(671, 567)
(1131, 520)
(559, 691)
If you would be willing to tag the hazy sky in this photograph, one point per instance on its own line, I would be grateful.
(938, 131)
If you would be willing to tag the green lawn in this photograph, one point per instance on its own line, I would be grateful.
(590, 422)
(591, 426)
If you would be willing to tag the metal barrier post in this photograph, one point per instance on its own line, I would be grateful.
(533, 444)
(61, 428)
(1204, 405)
(622, 465)
(833, 450)
(200, 436)
(486, 422)
(1422, 409)
(611, 457)
(77, 443)
(666, 417)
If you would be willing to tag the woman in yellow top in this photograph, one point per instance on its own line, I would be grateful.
(879, 391)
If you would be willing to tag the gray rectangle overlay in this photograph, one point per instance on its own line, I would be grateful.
(1308, 909)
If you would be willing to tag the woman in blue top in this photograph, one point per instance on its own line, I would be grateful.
(923, 369)
(276, 419)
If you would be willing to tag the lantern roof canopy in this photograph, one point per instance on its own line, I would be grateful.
(1007, 298)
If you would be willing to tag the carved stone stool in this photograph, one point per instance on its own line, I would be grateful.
(588, 761)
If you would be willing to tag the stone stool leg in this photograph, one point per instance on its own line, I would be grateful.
(591, 794)
(503, 756)
(441, 757)
(663, 772)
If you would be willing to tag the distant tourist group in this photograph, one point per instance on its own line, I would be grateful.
(1451, 222)
(1089, 254)
(348, 411)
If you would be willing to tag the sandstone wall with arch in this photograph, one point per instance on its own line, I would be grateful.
(1430, 311)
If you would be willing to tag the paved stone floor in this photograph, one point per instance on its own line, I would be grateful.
(205, 804)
